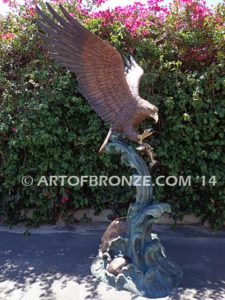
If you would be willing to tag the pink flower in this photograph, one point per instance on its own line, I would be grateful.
(31, 11)
(64, 200)
(14, 129)
(5, 1)
(99, 2)
(8, 36)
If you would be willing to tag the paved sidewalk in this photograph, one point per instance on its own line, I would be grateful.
(53, 263)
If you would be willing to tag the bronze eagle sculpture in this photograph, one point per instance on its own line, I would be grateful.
(108, 82)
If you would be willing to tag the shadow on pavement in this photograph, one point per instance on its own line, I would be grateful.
(44, 259)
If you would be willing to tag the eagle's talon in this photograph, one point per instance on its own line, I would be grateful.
(144, 135)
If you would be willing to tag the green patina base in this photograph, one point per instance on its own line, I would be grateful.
(149, 272)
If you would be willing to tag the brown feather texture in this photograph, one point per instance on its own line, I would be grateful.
(109, 83)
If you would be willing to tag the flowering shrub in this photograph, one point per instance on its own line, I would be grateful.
(8, 36)
(47, 128)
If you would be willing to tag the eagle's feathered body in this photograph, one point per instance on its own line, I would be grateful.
(110, 90)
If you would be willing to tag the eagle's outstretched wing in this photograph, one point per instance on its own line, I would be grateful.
(98, 66)
(133, 73)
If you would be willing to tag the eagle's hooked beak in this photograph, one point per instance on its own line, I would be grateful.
(155, 116)
(153, 112)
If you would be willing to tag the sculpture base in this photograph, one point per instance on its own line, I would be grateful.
(153, 275)
(131, 257)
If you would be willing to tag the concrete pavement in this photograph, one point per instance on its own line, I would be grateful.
(53, 263)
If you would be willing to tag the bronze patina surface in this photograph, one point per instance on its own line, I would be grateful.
(108, 82)
(130, 257)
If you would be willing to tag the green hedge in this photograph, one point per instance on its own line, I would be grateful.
(46, 127)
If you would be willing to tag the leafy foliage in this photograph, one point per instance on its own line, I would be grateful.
(46, 128)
